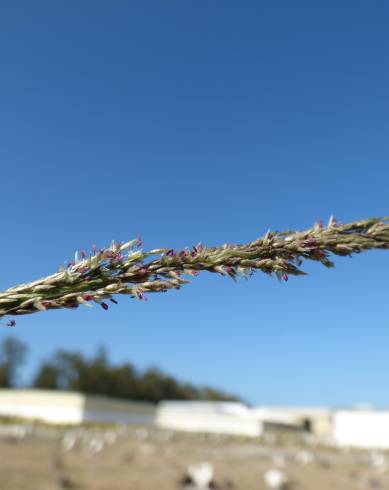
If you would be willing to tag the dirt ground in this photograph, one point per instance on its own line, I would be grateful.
(144, 458)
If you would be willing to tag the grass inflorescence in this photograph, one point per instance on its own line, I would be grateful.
(125, 268)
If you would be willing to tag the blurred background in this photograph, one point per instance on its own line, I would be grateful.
(184, 122)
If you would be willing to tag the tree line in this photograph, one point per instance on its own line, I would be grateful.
(96, 375)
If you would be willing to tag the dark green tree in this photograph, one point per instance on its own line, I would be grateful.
(12, 355)
(97, 376)
(47, 377)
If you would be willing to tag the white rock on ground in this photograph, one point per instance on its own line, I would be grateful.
(68, 441)
(95, 445)
(276, 479)
(201, 474)
(379, 462)
(304, 457)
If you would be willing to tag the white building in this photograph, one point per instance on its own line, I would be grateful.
(71, 407)
(361, 428)
(212, 417)
(317, 420)
(365, 428)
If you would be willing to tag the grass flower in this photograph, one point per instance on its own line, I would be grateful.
(124, 268)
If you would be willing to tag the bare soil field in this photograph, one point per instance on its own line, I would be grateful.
(144, 458)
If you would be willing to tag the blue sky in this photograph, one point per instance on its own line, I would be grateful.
(212, 121)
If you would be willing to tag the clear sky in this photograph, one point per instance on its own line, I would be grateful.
(212, 121)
